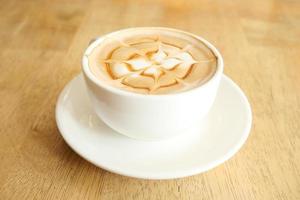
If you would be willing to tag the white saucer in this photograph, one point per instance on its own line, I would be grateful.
(219, 136)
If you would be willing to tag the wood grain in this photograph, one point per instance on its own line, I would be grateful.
(41, 43)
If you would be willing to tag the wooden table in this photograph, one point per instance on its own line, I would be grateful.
(41, 43)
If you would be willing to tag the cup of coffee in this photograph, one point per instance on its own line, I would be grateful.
(151, 82)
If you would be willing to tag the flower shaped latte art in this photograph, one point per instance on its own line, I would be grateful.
(150, 65)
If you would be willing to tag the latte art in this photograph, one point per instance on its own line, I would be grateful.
(156, 62)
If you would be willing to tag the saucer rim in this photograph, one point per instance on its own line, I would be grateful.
(175, 174)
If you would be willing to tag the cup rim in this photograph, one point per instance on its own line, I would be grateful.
(86, 69)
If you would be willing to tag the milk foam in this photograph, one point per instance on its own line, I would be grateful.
(152, 61)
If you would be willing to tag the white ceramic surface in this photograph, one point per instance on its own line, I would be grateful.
(150, 117)
(218, 137)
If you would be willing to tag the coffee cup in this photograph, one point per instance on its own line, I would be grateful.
(150, 116)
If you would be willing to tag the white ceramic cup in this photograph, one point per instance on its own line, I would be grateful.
(149, 117)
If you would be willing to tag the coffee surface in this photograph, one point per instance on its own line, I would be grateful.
(152, 61)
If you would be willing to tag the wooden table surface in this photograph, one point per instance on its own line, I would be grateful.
(41, 43)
